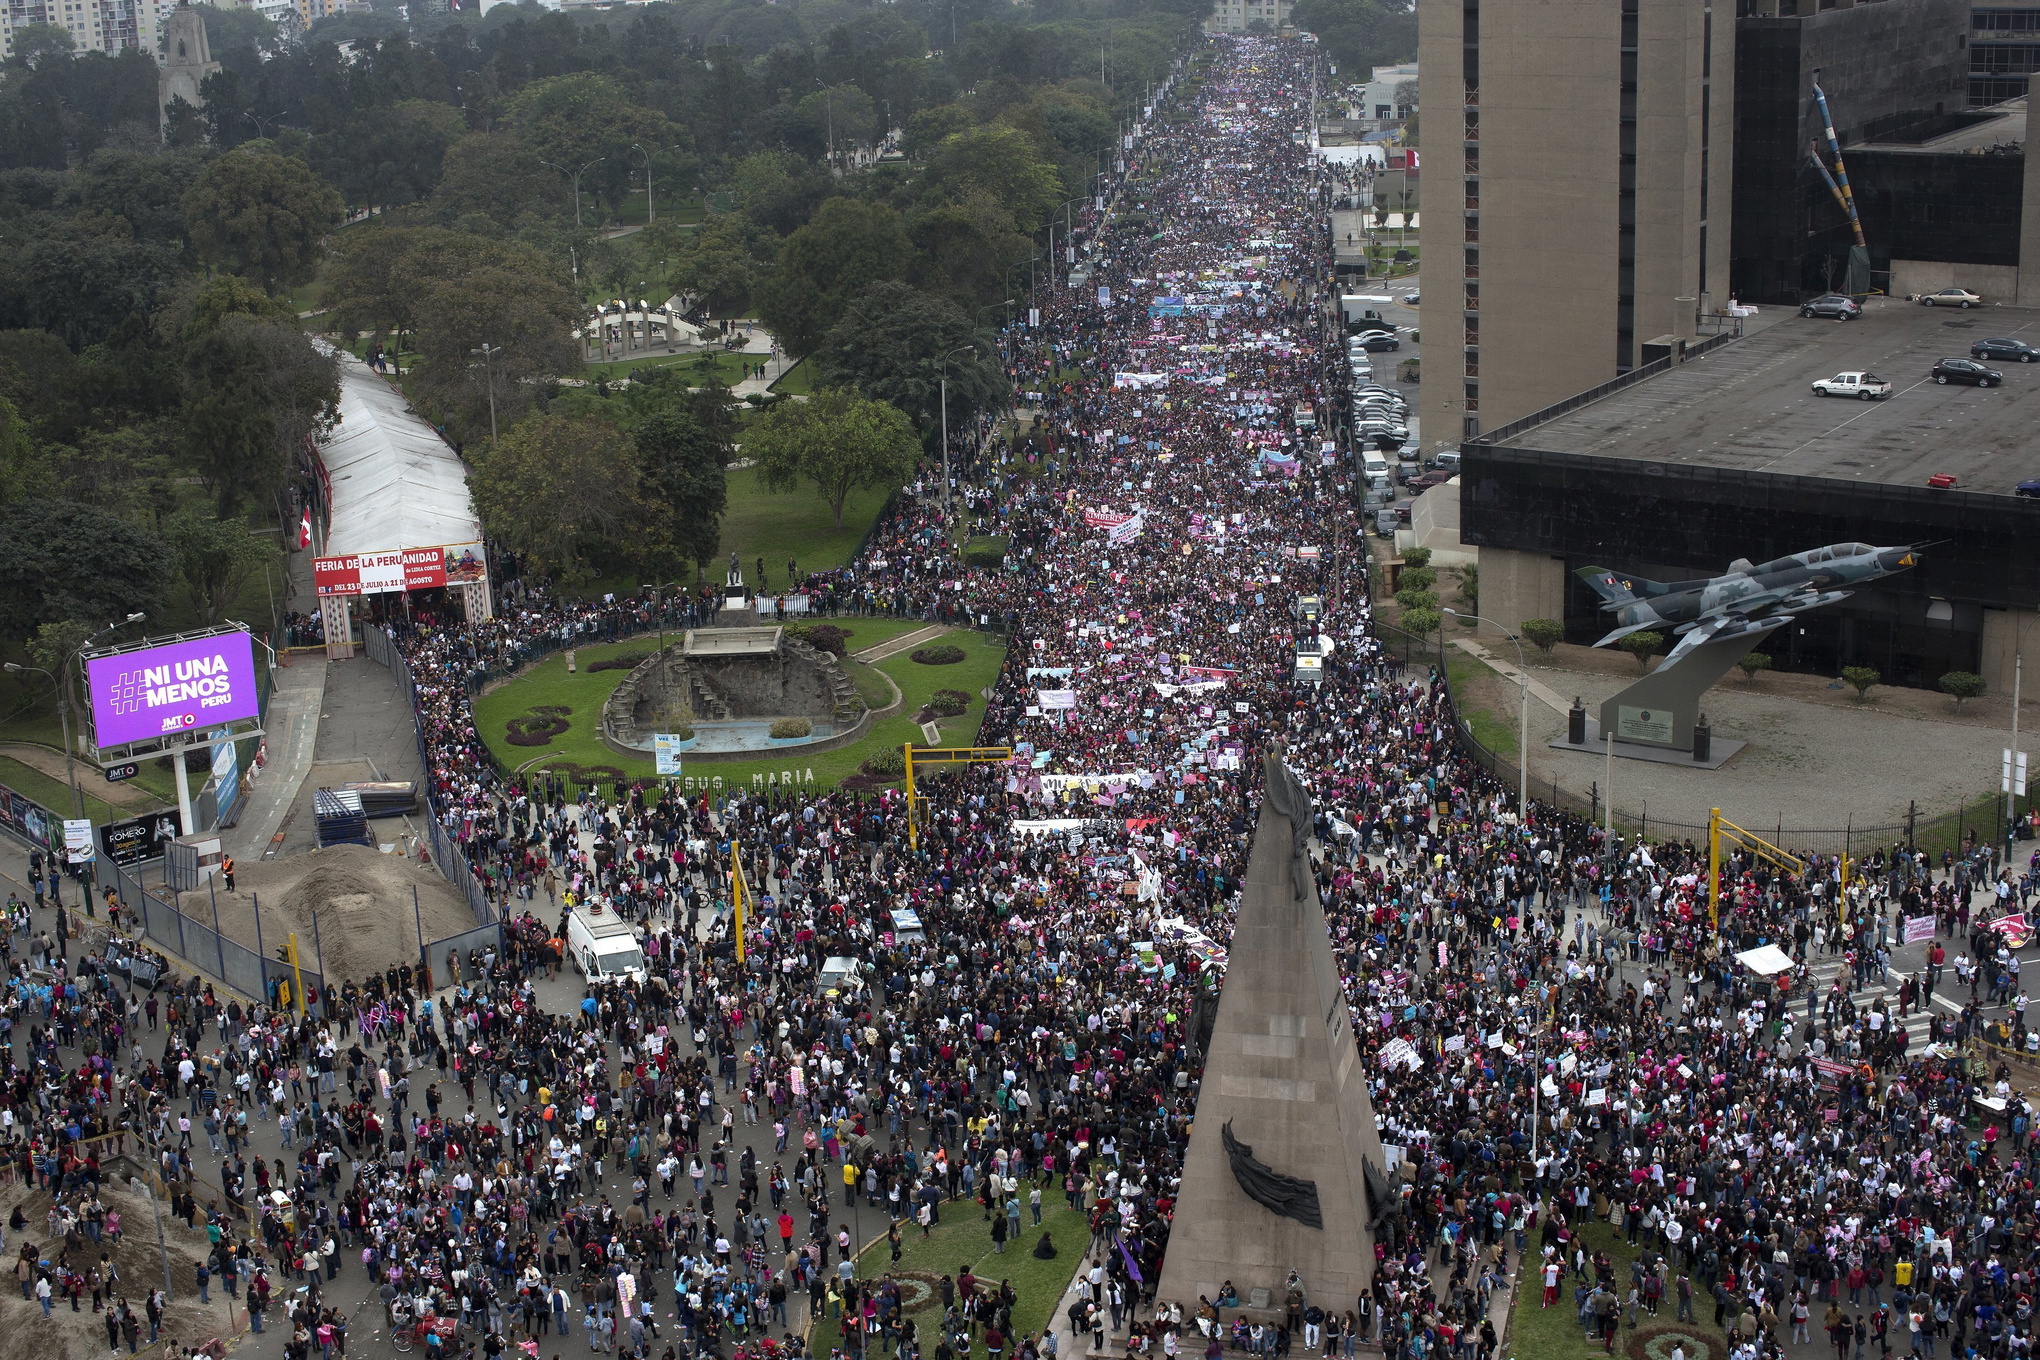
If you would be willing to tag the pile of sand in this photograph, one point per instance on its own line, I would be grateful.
(82, 1335)
(369, 908)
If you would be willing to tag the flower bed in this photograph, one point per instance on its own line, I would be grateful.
(538, 726)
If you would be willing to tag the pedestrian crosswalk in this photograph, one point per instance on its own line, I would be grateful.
(1917, 1025)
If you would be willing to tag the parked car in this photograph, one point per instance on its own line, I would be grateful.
(1966, 371)
(1386, 521)
(1867, 386)
(1952, 297)
(1377, 341)
(2003, 347)
(1435, 477)
(1446, 460)
(1834, 305)
(2029, 489)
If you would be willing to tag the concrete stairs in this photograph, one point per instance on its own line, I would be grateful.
(846, 706)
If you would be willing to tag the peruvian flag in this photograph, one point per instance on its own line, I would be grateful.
(304, 529)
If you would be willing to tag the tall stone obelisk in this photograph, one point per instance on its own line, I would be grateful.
(1276, 1176)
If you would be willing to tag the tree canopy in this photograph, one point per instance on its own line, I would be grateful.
(897, 343)
(70, 561)
(837, 441)
(565, 493)
(848, 246)
(261, 215)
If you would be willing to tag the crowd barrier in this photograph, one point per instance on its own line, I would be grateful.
(152, 908)
(382, 649)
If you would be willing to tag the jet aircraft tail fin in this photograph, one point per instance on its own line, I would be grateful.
(1616, 590)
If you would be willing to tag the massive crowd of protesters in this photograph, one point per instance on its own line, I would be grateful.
(1554, 1035)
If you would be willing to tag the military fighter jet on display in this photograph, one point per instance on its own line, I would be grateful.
(1745, 602)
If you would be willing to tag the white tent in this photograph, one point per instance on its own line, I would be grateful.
(395, 483)
(1765, 960)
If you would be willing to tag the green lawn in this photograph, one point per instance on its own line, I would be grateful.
(548, 683)
(307, 297)
(964, 1238)
(797, 381)
(55, 794)
(797, 525)
(671, 209)
(1491, 730)
(1554, 1333)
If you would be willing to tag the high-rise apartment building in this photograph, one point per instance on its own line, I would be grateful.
(1236, 16)
(1577, 166)
(94, 25)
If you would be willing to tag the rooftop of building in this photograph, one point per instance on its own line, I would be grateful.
(1749, 406)
(1999, 129)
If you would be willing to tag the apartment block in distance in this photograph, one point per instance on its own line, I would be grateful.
(1578, 157)
(94, 25)
(1235, 16)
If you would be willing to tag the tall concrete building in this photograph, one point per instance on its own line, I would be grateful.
(1236, 16)
(108, 26)
(1578, 153)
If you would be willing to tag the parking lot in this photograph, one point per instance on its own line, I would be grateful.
(1386, 298)
(1751, 406)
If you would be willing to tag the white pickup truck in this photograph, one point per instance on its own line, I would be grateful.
(1866, 386)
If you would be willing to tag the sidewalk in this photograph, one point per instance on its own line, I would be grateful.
(293, 727)
(775, 369)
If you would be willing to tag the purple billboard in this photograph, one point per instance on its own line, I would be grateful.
(176, 687)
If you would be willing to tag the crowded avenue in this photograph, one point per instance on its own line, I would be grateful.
(1553, 1034)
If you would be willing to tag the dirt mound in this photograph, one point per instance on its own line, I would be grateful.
(82, 1335)
(355, 908)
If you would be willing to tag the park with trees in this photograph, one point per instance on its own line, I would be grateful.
(875, 186)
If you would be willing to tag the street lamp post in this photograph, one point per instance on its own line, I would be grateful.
(575, 175)
(829, 110)
(1523, 715)
(57, 682)
(945, 417)
(489, 353)
(64, 715)
(651, 212)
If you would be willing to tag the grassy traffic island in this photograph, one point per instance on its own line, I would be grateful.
(556, 714)
(964, 1238)
(1555, 1333)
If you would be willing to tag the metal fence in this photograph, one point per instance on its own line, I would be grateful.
(153, 908)
(488, 937)
(382, 649)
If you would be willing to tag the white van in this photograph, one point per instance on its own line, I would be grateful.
(604, 948)
(1373, 464)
